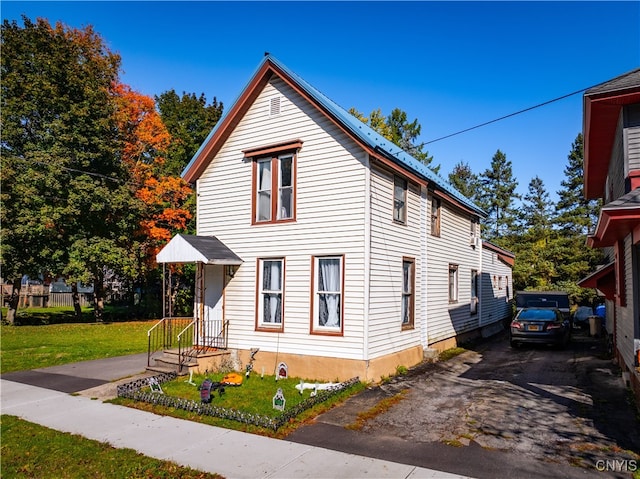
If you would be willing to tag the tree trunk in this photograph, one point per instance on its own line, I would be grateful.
(13, 302)
(76, 300)
(98, 297)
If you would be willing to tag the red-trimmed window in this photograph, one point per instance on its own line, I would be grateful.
(399, 200)
(327, 302)
(408, 292)
(270, 300)
(274, 182)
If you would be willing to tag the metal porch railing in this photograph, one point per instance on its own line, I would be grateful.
(191, 337)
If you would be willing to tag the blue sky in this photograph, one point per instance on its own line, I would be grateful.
(452, 65)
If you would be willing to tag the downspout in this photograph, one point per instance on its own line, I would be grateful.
(367, 257)
(479, 280)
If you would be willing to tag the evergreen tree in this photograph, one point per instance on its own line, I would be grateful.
(533, 244)
(536, 211)
(465, 181)
(575, 218)
(400, 131)
(575, 214)
(497, 197)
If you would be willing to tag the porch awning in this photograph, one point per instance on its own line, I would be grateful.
(197, 249)
(602, 279)
(617, 220)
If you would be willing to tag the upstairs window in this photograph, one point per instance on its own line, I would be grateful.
(435, 216)
(274, 182)
(399, 200)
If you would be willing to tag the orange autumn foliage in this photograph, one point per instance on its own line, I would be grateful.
(145, 141)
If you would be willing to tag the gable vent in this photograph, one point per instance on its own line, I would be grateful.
(274, 106)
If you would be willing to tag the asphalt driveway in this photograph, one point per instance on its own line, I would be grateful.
(495, 411)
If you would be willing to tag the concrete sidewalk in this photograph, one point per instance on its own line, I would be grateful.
(230, 453)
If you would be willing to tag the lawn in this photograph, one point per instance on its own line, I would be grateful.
(32, 451)
(254, 398)
(30, 347)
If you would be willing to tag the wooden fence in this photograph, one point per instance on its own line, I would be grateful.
(39, 296)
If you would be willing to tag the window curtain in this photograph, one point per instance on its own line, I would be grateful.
(329, 292)
(407, 290)
(264, 190)
(286, 188)
(272, 291)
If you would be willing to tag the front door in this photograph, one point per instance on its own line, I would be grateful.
(213, 311)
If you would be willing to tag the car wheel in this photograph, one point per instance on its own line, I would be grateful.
(513, 344)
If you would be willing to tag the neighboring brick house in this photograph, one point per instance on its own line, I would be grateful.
(354, 258)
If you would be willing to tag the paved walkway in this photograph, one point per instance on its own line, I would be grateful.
(232, 454)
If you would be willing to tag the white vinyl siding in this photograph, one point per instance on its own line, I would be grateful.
(494, 301)
(391, 242)
(447, 319)
(329, 220)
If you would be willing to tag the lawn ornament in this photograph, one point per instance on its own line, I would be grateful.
(232, 379)
(190, 381)
(249, 368)
(279, 400)
(315, 387)
(208, 388)
(282, 372)
(155, 386)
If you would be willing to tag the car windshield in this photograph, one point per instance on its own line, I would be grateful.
(584, 312)
(538, 314)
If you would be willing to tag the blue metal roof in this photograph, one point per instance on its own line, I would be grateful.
(362, 131)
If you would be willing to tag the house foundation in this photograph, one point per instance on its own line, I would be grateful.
(314, 368)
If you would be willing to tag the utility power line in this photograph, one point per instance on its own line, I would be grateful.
(506, 116)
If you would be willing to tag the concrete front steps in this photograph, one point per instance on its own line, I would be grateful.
(205, 360)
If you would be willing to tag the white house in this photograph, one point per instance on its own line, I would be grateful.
(335, 251)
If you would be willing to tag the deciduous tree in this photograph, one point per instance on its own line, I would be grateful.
(61, 162)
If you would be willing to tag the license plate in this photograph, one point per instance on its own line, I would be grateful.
(533, 327)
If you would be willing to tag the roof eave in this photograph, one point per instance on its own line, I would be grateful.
(601, 113)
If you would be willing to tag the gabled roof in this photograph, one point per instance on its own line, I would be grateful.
(374, 143)
(602, 105)
(504, 255)
(197, 249)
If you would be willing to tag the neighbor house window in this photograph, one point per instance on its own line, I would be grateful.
(327, 307)
(435, 216)
(270, 293)
(408, 292)
(274, 182)
(399, 200)
(453, 283)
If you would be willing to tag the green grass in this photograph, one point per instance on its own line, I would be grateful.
(253, 396)
(30, 347)
(32, 451)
